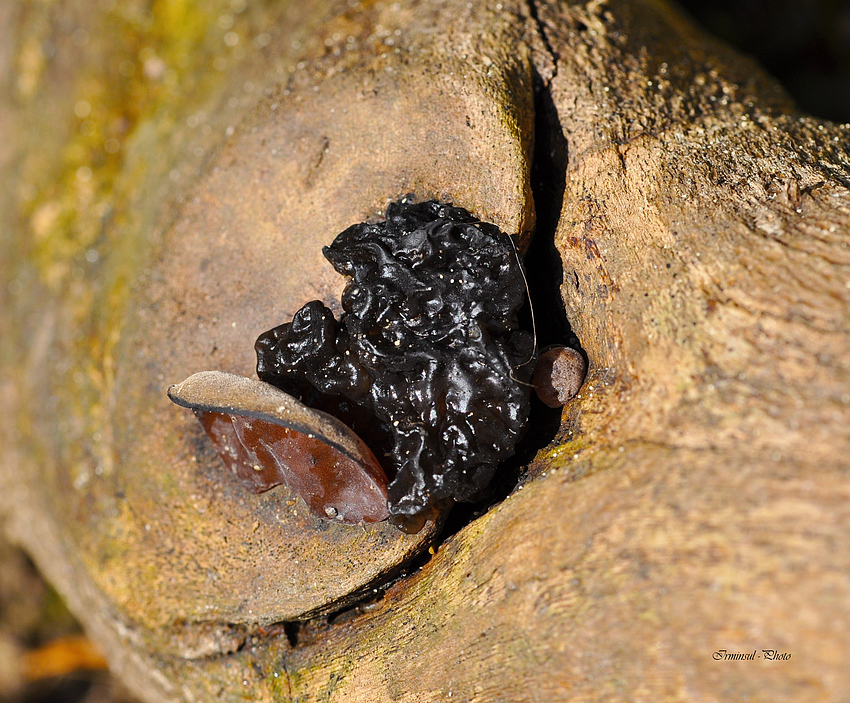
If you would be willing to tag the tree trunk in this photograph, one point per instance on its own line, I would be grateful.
(169, 184)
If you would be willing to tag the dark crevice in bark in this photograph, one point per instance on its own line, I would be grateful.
(306, 630)
(540, 26)
(291, 630)
(548, 183)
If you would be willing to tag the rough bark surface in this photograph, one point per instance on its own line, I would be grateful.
(695, 497)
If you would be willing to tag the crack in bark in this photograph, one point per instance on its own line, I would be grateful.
(540, 27)
(284, 664)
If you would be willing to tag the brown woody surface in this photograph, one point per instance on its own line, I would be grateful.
(695, 498)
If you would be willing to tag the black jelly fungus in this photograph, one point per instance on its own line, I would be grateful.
(427, 362)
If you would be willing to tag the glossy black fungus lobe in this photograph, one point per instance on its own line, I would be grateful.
(427, 363)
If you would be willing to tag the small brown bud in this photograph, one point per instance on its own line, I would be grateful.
(558, 375)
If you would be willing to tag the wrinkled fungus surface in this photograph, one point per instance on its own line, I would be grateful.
(427, 363)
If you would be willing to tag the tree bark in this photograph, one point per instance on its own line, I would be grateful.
(694, 500)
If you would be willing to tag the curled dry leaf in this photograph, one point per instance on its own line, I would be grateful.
(266, 437)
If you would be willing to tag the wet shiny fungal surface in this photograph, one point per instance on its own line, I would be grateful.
(427, 363)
